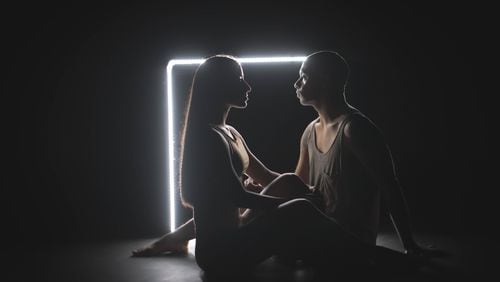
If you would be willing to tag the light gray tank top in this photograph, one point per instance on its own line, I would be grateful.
(350, 196)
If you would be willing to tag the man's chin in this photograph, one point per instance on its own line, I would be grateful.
(303, 102)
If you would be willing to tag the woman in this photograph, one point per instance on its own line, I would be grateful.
(214, 160)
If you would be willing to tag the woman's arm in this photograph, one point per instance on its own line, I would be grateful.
(256, 169)
(225, 179)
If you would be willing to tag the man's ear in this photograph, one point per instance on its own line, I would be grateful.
(326, 83)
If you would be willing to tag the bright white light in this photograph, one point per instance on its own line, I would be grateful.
(171, 157)
(299, 59)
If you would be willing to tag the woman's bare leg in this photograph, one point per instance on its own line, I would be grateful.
(173, 242)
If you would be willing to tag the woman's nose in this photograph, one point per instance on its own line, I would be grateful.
(249, 88)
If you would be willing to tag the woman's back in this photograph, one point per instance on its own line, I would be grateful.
(212, 187)
(210, 182)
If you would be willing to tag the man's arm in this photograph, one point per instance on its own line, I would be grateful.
(224, 179)
(256, 169)
(366, 142)
(302, 169)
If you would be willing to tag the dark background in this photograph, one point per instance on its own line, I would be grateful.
(83, 105)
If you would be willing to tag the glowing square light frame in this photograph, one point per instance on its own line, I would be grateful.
(171, 157)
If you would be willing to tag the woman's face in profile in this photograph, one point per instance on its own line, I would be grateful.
(237, 89)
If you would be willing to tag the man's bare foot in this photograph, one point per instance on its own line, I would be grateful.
(165, 245)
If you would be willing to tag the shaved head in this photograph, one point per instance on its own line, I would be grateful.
(329, 65)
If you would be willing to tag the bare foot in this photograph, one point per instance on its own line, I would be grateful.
(164, 245)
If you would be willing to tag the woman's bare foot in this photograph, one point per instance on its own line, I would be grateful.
(164, 245)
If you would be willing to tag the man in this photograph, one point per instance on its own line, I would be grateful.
(343, 154)
(343, 159)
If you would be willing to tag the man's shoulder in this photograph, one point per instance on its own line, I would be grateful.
(358, 124)
(311, 124)
(309, 127)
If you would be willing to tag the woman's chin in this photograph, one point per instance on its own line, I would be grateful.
(245, 104)
(241, 106)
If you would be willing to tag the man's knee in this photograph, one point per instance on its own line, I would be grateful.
(299, 206)
(291, 179)
(287, 185)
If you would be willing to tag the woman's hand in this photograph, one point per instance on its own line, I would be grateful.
(251, 185)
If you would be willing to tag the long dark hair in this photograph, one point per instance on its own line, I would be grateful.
(205, 98)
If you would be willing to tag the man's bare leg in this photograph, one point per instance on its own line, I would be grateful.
(287, 185)
(175, 242)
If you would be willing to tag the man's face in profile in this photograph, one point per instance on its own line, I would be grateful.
(307, 87)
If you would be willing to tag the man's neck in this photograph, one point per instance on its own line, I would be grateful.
(329, 113)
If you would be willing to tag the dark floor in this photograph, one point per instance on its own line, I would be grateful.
(111, 262)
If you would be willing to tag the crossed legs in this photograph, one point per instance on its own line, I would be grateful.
(287, 185)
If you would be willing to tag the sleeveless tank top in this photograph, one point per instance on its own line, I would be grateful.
(349, 195)
(237, 150)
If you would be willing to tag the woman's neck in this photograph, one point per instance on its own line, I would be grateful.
(218, 118)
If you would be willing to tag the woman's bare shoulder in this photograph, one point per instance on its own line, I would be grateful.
(214, 141)
(205, 142)
(238, 135)
(233, 130)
